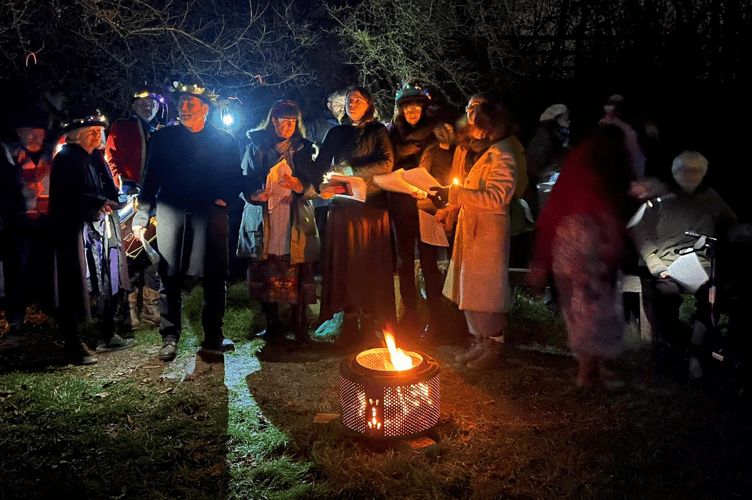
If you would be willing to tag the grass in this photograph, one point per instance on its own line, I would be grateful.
(121, 430)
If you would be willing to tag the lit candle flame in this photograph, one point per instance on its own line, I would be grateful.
(456, 181)
(400, 360)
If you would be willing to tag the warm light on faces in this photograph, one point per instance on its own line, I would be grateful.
(32, 139)
(284, 127)
(412, 113)
(192, 112)
(357, 105)
(146, 108)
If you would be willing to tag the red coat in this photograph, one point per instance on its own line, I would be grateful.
(126, 150)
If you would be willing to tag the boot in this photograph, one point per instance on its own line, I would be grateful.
(349, 337)
(77, 354)
(133, 309)
(273, 330)
(300, 325)
(476, 350)
(491, 357)
(114, 343)
(151, 307)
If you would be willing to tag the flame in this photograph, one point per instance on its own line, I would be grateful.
(400, 360)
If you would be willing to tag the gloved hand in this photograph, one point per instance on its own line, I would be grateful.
(656, 266)
(439, 195)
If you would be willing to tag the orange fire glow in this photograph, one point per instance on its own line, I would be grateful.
(400, 360)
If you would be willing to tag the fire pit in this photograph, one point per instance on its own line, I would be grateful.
(389, 393)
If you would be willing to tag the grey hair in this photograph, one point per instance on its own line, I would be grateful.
(689, 159)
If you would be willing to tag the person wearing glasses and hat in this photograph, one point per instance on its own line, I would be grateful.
(192, 173)
(82, 200)
(126, 150)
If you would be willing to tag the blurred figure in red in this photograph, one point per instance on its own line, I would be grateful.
(580, 237)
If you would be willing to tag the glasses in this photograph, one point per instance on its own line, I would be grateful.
(413, 107)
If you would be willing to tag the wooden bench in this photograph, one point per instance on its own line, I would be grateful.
(630, 283)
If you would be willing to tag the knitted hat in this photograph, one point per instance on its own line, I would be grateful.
(552, 112)
(411, 92)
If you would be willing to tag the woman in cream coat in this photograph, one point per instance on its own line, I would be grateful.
(484, 169)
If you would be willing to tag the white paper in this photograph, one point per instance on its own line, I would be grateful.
(420, 178)
(394, 182)
(276, 192)
(356, 186)
(688, 271)
(431, 232)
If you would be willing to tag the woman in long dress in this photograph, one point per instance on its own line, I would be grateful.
(279, 166)
(358, 277)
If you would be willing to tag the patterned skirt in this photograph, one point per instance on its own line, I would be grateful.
(275, 280)
(587, 252)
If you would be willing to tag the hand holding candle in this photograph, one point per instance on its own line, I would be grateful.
(439, 196)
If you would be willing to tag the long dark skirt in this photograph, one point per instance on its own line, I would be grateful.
(358, 274)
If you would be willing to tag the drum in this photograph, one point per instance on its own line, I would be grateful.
(132, 246)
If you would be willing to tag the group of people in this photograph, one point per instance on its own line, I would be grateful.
(299, 214)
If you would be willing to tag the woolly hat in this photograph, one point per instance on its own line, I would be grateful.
(411, 92)
(552, 112)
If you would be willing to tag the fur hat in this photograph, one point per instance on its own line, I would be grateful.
(411, 92)
(553, 111)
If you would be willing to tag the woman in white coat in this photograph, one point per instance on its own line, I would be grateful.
(484, 171)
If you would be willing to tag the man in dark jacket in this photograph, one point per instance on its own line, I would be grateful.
(192, 173)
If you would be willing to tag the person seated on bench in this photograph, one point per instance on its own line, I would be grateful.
(660, 232)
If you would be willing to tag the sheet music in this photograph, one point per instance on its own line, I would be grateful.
(277, 192)
(356, 186)
(688, 271)
(431, 232)
(420, 178)
(394, 182)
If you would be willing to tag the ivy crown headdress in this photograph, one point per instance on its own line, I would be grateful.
(203, 93)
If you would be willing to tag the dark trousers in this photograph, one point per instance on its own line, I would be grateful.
(403, 213)
(171, 307)
(664, 298)
(28, 269)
